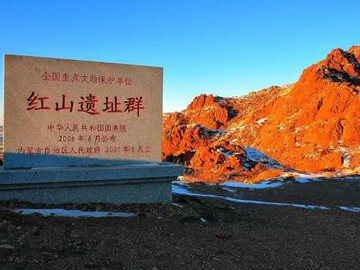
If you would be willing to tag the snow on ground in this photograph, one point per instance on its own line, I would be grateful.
(181, 189)
(257, 156)
(72, 213)
(351, 209)
(261, 121)
(262, 185)
(226, 153)
(302, 177)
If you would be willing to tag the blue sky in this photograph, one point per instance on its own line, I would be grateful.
(226, 48)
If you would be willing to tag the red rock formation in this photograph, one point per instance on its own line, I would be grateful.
(311, 126)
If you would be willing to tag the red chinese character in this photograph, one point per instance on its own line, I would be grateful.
(120, 80)
(100, 128)
(59, 127)
(85, 78)
(46, 76)
(34, 102)
(128, 81)
(122, 128)
(102, 79)
(56, 76)
(112, 106)
(92, 127)
(75, 127)
(107, 128)
(88, 104)
(134, 104)
(51, 127)
(63, 106)
(94, 79)
(67, 128)
(111, 79)
(30, 150)
(21, 150)
(66, 77)
(76, 78)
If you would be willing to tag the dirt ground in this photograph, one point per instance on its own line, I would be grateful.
(190, 233)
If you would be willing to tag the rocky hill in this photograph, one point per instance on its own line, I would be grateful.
(311, 126)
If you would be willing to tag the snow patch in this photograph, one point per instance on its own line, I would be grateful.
(183, 191)
(262, 185)
(351, 209)
(257, 156)
(261, 121)
(226, 153)
(302, 177)
(72, 213)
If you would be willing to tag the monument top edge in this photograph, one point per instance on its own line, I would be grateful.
(6, 56)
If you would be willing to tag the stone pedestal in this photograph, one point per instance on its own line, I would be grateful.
(123, 184)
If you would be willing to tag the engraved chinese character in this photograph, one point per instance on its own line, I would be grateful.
(63, 105)
(56, 76)
(76, 78)
(34, 102)
(46, 76)
(66, 77)
(88, 104)
(112, 106)
(51, 127)
(85, 78)
(128, 81)
(134, 104)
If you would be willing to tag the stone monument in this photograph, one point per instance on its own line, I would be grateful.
(82, 132)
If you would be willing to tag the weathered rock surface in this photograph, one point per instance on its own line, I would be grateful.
(311, 126)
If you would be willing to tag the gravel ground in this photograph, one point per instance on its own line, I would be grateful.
(191, 233)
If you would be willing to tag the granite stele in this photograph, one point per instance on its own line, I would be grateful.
(83, 132)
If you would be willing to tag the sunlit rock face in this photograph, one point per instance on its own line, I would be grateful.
(311, 126)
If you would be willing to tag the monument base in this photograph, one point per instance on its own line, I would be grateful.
(125, 184)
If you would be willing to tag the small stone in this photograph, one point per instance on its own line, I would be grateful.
(19, 260)
(6, 246)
